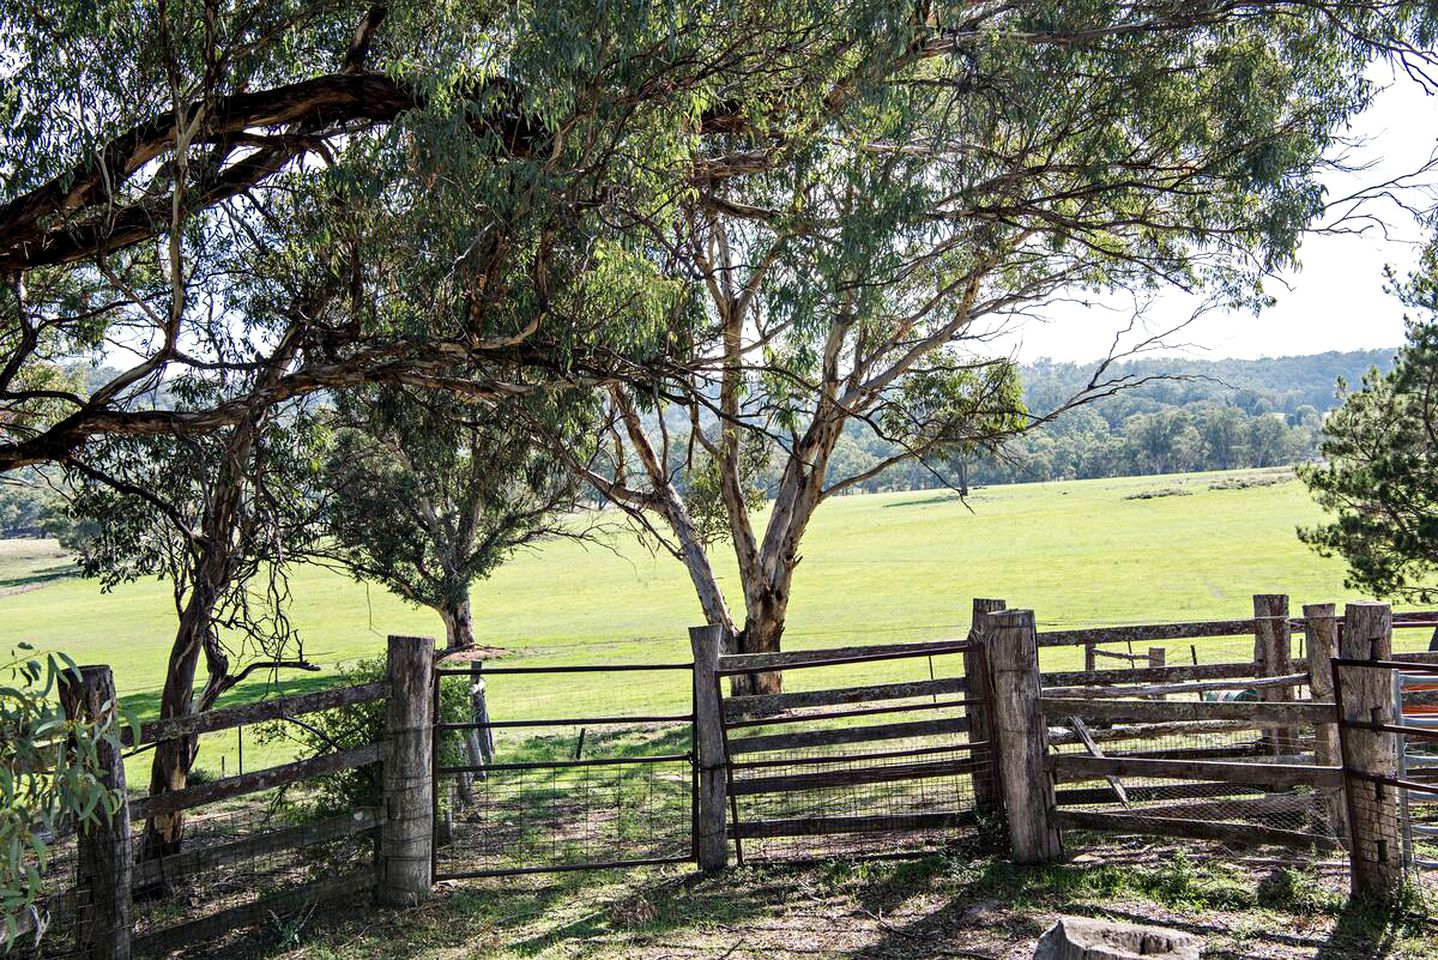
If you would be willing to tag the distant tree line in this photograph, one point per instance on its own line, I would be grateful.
(1199, 415)
(1196, 415)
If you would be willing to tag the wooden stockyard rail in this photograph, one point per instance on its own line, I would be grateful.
(925, 733)
(1096, 709)
(105, 863)
(1003, 713)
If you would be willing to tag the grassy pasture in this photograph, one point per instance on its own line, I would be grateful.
(877, 568)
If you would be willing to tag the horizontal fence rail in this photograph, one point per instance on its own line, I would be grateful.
(765, 704)
(777, 762)
(1203, 671)
(256, 781)
(732, 664)
(1277, 776)
(225, 718)
(1241, 834)
(233, 854)
(1195, 630)
(1165, 689)
(264, 910)
(1257, 712)
(180, 865)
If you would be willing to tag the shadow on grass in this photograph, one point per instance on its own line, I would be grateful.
(146, 704)
(1376, 928)
(928, 501)
(39, 578)
(655, 906)
(525, 916)
(987, 905)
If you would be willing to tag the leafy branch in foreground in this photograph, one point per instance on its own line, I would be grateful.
(50, 778)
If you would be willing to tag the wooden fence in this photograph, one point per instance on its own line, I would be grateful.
(1041, 748)
(108, 875)
(895, 757)
(1209, 788)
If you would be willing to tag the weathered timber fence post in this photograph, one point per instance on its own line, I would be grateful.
(1272, 650)
(407, 833)
(976, 679)
(711, 842)
(1022, 736)
(1158, 657)
(1320, 631)
(1365, 695)
(104, 858)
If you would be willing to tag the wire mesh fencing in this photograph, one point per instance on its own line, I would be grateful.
(1288, 815)
(540, 778)
(859, 805)
(827, 769)
(568, 800)
(240, 859)
(242, 855)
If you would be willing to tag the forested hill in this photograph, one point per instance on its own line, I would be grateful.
(1282, 384)
(1198, 415)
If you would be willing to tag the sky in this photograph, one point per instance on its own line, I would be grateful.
(1334, 300)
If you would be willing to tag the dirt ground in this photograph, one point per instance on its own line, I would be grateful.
(953, 904)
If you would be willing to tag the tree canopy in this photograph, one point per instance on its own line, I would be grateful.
(1379, 478)
(427, 499)
(984, 164)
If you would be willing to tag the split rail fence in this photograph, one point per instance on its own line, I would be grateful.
(97, 917)
(982, 740)
(1220, 751)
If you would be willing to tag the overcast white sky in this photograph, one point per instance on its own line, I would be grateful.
(1334, 301)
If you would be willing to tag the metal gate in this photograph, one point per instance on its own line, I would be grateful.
(847, 785)
(563, 790)
(1413, 785)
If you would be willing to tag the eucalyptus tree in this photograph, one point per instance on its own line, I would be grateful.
(218, 516)
(463, 174)
(428, 496)
(1380, 451)
(859, 251)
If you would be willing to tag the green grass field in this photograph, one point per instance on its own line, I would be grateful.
(875, 568)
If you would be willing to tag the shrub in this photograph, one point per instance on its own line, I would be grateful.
(356, 725)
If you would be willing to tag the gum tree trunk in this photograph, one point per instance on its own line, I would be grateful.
(213, 568)
(170, 769)
(458, 617)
